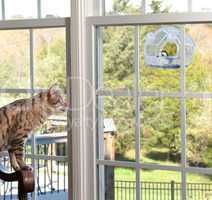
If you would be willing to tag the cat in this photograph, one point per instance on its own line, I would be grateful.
(20, 118)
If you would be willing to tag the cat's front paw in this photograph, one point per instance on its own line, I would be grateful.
(26, 168)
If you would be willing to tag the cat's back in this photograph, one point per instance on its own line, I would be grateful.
(9, 112)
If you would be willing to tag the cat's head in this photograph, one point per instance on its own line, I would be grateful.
(55, 99)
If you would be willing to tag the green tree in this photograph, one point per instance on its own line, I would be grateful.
(156, 6)
(120, 5)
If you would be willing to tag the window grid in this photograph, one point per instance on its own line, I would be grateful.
(137, 109)
(137, 93)
(39, 9)
(32, 75)
(183, 117)
(3, 9)
(30, 25)
(100, 108)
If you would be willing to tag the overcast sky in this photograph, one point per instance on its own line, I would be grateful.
(61, 7)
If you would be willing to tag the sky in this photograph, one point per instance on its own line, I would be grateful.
(28, 8)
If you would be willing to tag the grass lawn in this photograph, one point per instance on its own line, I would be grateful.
(127, 174)
(159, 176)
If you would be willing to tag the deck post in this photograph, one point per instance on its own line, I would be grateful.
(172, 190)
(109, 170)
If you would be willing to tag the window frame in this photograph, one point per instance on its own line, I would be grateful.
(94, 60)
(29, 25)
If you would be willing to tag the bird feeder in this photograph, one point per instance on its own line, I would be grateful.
(163, 48)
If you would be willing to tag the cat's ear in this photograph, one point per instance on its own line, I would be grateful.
(54, 89)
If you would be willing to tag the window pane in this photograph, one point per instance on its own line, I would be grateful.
(118, 57)
(201, 6)
(199, 74)
(133, 7)
(55, 8)
(6, 98)
(199, 186)
(50, 57)
(199, 132)
(22, 9)
(50, 69)
(157, 184)
(119, 183)
(160, 130)
(156, 74)
(14, 59)
(119, 128)
(157, 6)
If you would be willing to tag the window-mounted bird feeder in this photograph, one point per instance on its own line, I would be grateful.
(163, 48)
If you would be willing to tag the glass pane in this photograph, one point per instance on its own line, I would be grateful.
(199, 186)
(14, 59)
(160, 130)
(118, 57)
(119, 183)
(199, 132)
(55, 8)
(119, 128)
(50, 69)
(157, 184)
(201, 6)
(159, 72)
(50, 58)
(53, 179)
(199, 74)
(165, 6)
(20, 10)
(133, 7)
(6, 98)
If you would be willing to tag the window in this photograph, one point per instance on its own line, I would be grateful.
(28, 9)
(29, 54)
(34, 55)
(161, 116)
(137, 7)
(24, 9)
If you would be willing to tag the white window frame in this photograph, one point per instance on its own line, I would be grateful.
(92, 61)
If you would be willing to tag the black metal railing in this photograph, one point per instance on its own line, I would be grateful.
(52, 179)
(51, 174)
(126, 190)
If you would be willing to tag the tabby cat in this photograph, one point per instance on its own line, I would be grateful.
(20, 118)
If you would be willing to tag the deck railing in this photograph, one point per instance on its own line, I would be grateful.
(52, 170)
(51, 178)
(51, 167)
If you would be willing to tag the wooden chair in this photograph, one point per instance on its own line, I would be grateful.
(25, 178)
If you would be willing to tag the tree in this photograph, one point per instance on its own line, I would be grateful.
(156, 6)
(120, 5)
